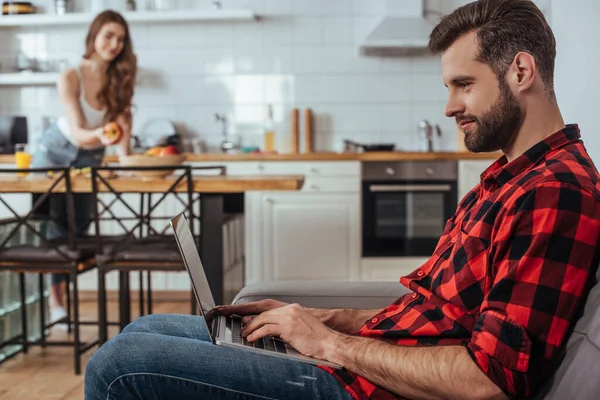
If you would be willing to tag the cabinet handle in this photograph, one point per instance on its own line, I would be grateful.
(261, 167)
(314, 170)
(270, 201)
(314, 187)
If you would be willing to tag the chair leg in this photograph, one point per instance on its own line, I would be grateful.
(141, 290)
(102, 319)
(23, 312)
(69, 316)
(42, 314)
(76, 338)
(149, 288)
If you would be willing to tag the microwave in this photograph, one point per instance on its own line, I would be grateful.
(13, 130)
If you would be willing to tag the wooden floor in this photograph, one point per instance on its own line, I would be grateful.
(48, 374)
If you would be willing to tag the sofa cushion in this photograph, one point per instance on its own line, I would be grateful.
(578, 376)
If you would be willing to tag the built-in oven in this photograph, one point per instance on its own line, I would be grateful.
(405, 206)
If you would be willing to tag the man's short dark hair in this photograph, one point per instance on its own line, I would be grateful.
(504, 28)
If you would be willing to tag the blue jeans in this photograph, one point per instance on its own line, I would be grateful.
(54, 150)
(165, 356)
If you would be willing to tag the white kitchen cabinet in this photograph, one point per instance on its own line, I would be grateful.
(469, 174)
(302, 236)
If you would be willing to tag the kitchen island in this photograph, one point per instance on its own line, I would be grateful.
(218, 196)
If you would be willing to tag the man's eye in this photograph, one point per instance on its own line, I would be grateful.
(465, 85)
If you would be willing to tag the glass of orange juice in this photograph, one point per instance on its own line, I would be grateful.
(22, 157)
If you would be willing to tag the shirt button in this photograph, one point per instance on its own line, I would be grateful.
(420, 273)
(453, 240)
(375, 320)
(414, 295)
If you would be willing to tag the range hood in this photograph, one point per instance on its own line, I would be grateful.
(403, 31)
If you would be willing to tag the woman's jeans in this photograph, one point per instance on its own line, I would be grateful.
(54, 150)
(165, 357)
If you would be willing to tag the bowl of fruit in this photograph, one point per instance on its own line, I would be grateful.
(158, 156)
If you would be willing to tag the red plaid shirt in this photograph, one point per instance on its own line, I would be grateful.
(508, 275)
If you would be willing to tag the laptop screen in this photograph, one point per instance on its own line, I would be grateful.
(191, 259)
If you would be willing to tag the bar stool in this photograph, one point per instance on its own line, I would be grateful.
(139, 246)
(60, 255)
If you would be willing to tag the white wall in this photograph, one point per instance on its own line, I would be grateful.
(577, 67)
(303, 53)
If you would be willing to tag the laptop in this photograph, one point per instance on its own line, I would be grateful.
(226, 330)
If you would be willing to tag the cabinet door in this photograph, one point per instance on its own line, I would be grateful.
(469, 172)
(310, 236)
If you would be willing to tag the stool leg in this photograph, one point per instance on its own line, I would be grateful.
(69, 316)
(42, 314)
(102, 319)
(149, 288)
(141, 290)
(76, 341)
(23, 312)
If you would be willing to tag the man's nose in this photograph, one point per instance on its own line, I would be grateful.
(454, 107)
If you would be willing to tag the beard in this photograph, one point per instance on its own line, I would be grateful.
(497, 128)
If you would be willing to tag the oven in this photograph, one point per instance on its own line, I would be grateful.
(405, 206)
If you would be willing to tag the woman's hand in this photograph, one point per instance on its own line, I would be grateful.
(106, 141)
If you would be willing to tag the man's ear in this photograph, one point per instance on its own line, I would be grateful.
(523, 71)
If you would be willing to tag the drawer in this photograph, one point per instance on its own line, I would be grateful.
(316, 169)
(233, 168)
(317, 185)
(305, 168)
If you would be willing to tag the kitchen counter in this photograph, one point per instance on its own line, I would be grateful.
(325, 156)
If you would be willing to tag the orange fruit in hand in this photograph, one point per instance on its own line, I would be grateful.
(112, 132)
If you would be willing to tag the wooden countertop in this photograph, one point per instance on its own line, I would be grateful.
(124, 184)
(325, 156)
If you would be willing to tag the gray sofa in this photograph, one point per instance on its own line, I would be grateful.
(577, 377)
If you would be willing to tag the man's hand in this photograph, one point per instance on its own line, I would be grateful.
(344, 320)
(297, 326)
(247, 311)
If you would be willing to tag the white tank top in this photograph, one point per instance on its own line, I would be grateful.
(93, 118)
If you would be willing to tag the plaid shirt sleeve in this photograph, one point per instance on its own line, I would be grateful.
(542, 256)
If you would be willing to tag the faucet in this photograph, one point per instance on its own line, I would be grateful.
(426, 132)
(226, 145)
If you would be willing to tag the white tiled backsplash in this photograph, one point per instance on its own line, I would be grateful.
(301, 53)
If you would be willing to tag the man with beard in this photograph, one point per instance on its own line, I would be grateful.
(486, 317)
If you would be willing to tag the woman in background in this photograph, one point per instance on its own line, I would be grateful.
(95, 92)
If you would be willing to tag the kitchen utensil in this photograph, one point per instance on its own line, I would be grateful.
(308, 134)
(354, 147)
(426, 132)
(295, 131)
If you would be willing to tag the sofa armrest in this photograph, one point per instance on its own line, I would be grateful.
(325, 294)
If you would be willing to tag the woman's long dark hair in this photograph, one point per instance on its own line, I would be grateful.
(117, 93)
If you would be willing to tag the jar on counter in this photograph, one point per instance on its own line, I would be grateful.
(60, 7)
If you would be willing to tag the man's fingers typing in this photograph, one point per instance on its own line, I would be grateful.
(265, 330)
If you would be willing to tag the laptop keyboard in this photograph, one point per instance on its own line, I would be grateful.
(269, 343)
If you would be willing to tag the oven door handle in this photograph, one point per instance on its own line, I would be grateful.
(410, 188)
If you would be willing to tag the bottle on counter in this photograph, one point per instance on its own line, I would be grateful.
(269, 135)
